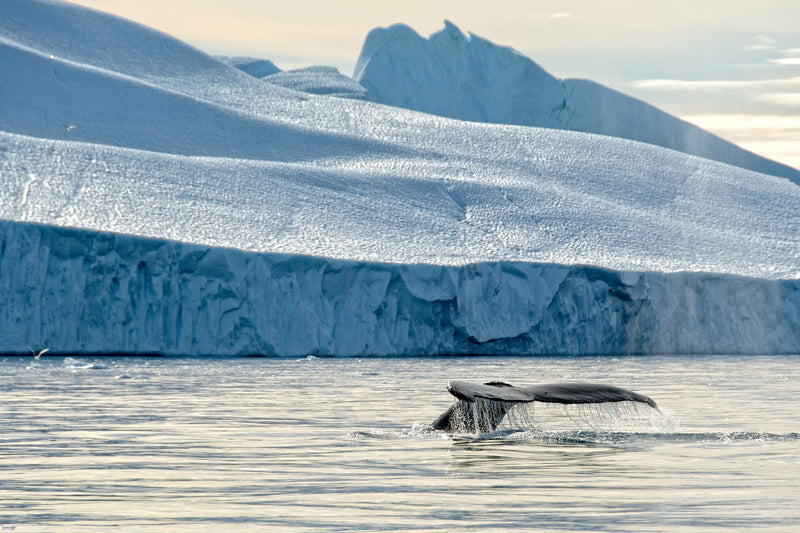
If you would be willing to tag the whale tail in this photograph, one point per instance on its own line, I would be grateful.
(479, 416)
(482, 406)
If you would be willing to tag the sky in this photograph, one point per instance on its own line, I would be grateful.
(729, 66)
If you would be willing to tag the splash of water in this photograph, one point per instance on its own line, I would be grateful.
(75, 364)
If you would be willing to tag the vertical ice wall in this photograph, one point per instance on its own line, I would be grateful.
(74, 291)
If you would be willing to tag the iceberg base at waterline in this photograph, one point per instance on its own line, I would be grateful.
(87, 292)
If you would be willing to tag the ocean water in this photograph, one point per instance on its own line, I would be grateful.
(137, 444)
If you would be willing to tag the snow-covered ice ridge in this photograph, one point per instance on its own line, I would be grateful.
(470, 78)
(312, 80)
(156, 199)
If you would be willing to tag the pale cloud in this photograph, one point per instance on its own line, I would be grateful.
(793, 61)
(772, 136)
(791, 57)
(758, 47)
(786, 84)
(775, 135)
(692, 85)
(763, 42)
(743, 121)
(782, 151)
(785, 99)
(559, 15)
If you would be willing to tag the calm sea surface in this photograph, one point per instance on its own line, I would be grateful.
(134, 444)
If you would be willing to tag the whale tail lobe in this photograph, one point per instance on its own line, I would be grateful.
(482, 406)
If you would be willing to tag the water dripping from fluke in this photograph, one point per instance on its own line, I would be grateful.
(485, 408)
(563, 413)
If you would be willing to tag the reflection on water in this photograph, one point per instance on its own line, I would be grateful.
(134, 444)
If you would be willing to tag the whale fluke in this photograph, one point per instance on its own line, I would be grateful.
(485, 404)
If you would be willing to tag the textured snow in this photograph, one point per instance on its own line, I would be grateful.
(539, 196)
(319, 80)
(156, 199)
(470, 78)
(257, 68)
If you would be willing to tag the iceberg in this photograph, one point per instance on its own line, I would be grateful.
(470, 78)
(157, 200)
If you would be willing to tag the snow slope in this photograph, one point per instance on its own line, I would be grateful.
(538, 195)
(318, 80)
(470, 78)
(313, 80)
(257, 68)
(155, 199)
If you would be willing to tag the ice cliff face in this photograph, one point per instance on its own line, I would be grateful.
(87, 292)
(470, 78)
(155, 199)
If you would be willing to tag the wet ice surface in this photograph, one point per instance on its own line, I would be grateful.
(135, 444)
